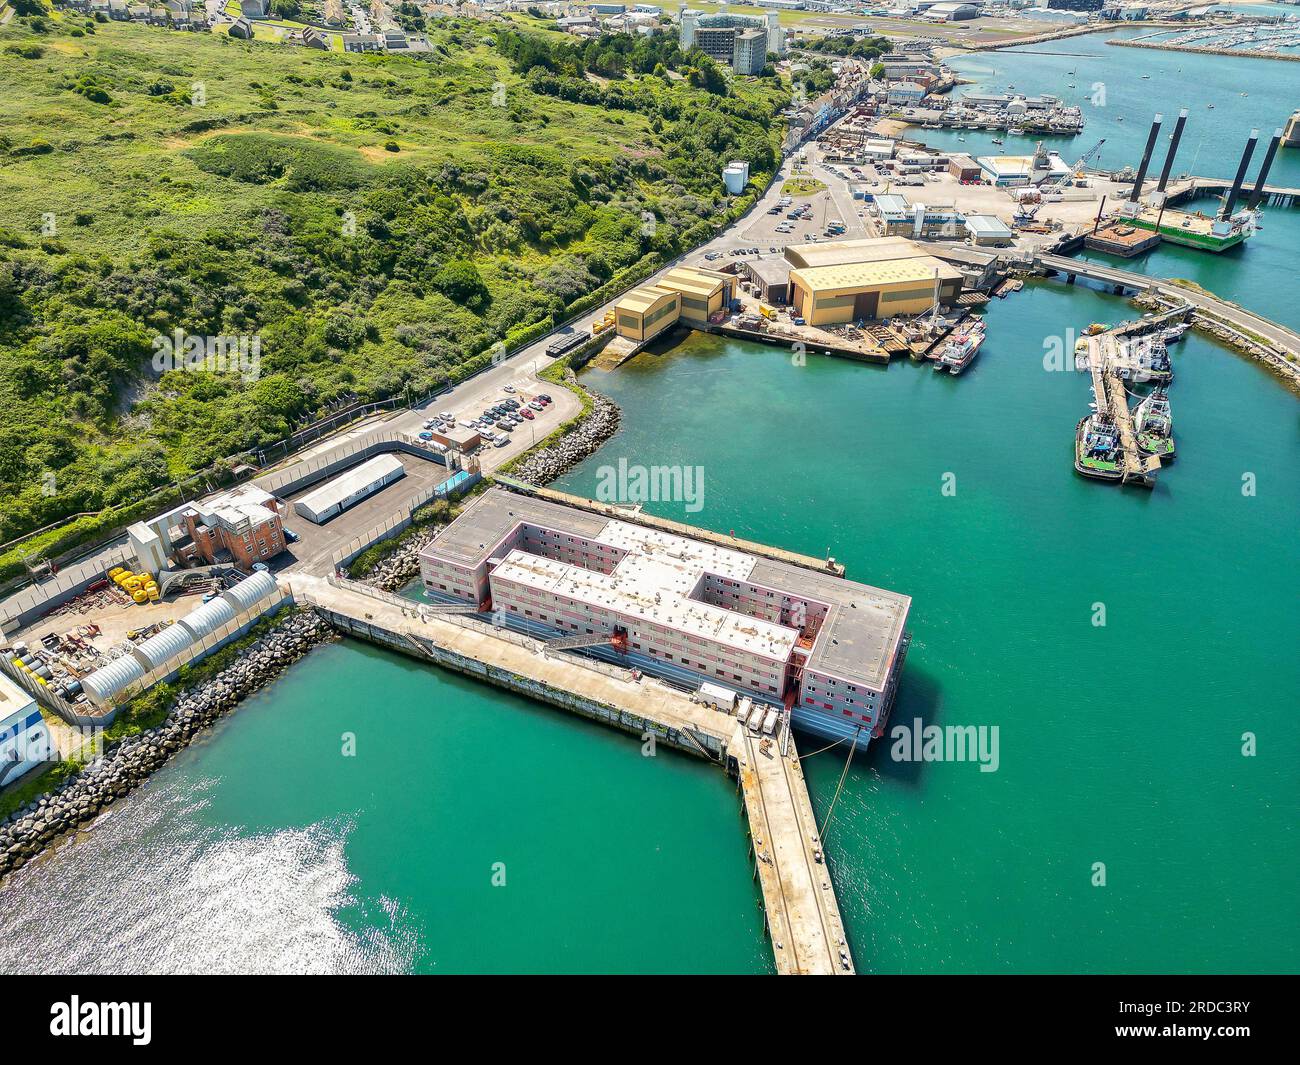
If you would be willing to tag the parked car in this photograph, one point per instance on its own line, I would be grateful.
(504, 426)
(528, 414)
(291, 536)
(426, 436)
(503, 442)
(536, 405)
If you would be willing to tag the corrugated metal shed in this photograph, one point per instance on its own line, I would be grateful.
(165, 646)
(209, 617)
(250, 591)
(117, 676)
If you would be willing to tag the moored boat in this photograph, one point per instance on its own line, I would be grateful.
(960, 351)
(1154, 423)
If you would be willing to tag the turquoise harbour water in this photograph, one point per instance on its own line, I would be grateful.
(1120, 744)
(263, 848)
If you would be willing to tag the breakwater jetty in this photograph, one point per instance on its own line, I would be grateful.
(802, 914)
(1202, 49)
(125, 765)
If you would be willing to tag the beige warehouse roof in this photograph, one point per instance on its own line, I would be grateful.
(846, 252)
(851, 277)
(694, 282)
(640, 300)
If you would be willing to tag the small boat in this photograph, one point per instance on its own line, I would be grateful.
(997, 140)
(961, 350)
(1210, 106)
(1146, 77)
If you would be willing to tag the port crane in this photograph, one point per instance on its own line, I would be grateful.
(1027, 211)
(1075, 172)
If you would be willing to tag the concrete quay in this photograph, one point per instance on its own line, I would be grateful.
(802, 913)
(803, 917)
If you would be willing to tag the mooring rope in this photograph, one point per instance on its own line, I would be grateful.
(839, 787)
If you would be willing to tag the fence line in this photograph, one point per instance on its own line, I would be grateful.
(401, 518)
(41, 598)
(42, 693)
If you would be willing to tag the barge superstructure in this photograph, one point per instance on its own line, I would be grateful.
(827, 650)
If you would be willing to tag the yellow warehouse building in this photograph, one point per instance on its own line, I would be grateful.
(873, 278)
(683, 294)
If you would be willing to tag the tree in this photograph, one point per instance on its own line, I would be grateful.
(460, 281)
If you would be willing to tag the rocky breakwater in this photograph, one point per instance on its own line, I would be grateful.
(584, 440)
(394, 572)
(125, 765)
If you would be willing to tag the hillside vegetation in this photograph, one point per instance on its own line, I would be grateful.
(377, 223)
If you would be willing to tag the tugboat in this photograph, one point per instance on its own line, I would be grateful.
(961, 350)
(1096, 449)
(1155, 425)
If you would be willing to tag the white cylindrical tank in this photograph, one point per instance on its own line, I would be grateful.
(209, 617)
(250, 591)
(117, 676)
(165, 646)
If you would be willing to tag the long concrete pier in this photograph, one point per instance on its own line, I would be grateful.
(1109, 390)
(802, 914)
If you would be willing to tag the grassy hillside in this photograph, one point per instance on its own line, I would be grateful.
(376, 222)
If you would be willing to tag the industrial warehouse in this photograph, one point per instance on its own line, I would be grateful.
(849, 280)
(684, 294)
(825, 284)
(828, 648)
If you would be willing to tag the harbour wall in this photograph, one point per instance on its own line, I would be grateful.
(700, 744)
(1247, 53)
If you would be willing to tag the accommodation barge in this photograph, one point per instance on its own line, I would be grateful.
(825, 650)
